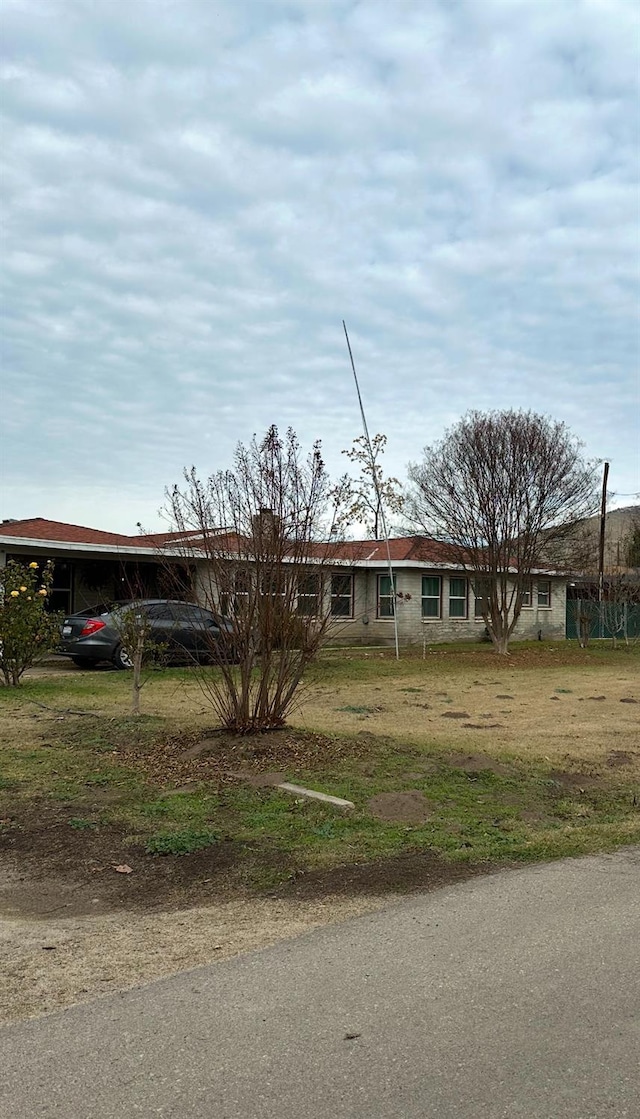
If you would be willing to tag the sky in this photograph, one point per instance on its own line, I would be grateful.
(196, 193)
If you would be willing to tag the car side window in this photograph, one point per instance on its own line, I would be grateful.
(182, 612)
(156, 612)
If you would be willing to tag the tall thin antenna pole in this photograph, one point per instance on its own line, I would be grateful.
(376, 484)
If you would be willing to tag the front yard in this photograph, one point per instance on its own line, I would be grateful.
(462, 757)
(133, 848)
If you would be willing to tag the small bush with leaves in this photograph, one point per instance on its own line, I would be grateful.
(27, 631)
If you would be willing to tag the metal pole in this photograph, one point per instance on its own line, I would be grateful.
(377, 489)
(603, 519)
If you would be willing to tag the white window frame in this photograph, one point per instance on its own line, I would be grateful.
(459, 598)
(303, 597)
(391, 597)
(431, 598)
(336, 598)
(526, 596)
(542, 583)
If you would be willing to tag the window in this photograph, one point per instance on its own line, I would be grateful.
(430, 596)
(241, 591)
(309, 594)
(526, 597)
(342, 596)
(177, 612)
(457, 598)
(544, 592)
(386, 596)
(481, 590)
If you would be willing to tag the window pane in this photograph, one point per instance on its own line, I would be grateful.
(430, 596)
(308, 593)
(341, 584)
(341, 596)
(526, 595)
(431, 586)
(457, 598)
(544, 593)
(386, 596)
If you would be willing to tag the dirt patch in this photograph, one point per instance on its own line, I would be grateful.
(71, 872)
(455, 715)
(410, 872)
(627, 699)
(619, 758)
(181, 759)
(503, 696)
(570, 780)
(410, 807)
(263, 780)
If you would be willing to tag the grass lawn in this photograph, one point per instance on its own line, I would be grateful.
(456, 759)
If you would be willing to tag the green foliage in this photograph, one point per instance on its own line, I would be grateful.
(371, 495)
(180, 842)
(27, 631)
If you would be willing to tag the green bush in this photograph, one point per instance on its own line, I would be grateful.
(27, 630)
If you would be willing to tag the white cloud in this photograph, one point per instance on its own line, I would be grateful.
(197, 194)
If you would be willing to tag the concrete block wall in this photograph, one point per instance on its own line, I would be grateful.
(367, 629)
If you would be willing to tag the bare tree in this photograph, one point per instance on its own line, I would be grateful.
(499, 490)
(371, 493)
(139, 648)
(265, 531)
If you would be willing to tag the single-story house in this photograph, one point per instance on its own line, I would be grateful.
(434, 598)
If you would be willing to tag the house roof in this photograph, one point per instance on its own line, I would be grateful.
(402, 548)
(407, 551)
(371, 552)
(38, 528)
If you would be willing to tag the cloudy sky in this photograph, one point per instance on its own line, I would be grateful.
(197, 192)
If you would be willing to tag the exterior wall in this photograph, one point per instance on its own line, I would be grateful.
(365, 628)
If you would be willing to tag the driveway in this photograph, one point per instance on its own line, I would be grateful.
(514, 996)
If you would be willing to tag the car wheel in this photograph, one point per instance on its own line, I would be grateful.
(84, 662)
(120, 659)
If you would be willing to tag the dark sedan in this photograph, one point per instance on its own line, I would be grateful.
(182, 631)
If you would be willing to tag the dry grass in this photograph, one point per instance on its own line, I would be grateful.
(543, 713)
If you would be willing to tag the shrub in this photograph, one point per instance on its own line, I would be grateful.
(27, 630)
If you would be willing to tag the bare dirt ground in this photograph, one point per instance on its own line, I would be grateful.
(56, 961)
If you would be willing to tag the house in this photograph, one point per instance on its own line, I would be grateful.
(433, 597)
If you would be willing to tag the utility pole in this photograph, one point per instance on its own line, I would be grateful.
(376, 484)
(603, 520)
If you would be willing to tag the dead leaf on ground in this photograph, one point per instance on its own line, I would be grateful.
(122, 868)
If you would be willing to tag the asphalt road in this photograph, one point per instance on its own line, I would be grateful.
(515, 996)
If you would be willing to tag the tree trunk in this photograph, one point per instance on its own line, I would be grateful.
(136, 686)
